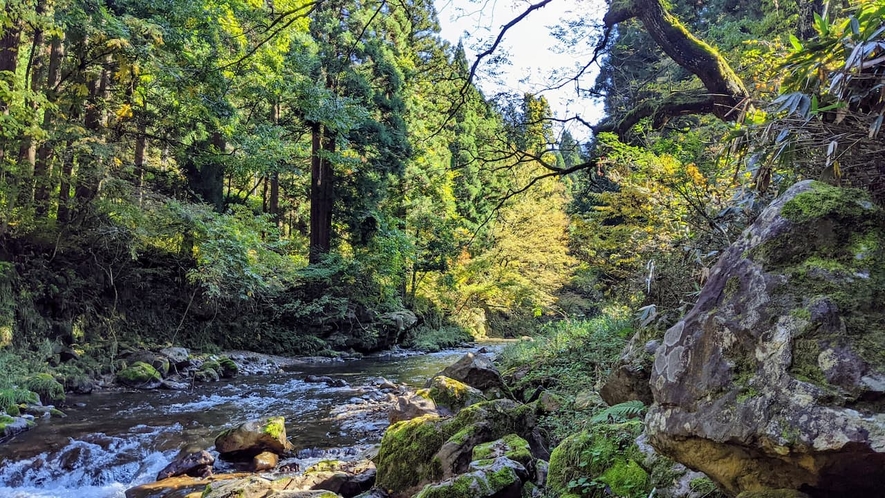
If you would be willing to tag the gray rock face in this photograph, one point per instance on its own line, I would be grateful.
(409, 407)
(774, 379)
(476, 370)
(629, 378)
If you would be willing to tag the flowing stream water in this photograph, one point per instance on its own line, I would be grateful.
(111, 441)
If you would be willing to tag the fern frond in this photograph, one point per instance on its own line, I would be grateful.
(620, 412)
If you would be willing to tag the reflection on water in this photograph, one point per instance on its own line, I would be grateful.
(114, 440)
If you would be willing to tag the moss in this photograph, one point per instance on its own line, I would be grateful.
(703, 486)
(211, 365)
(228, 368)
(46, 387)
(5, 420)
(407, 454)
(139, 374)
(826, 200)
(452, 394)
(275, 427)
(626, 478)
(405, 457)
(604, 451)
(325, 466)
(510, 446)
(472, 485)
(732, 285)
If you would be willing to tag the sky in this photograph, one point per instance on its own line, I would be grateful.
(537, 59)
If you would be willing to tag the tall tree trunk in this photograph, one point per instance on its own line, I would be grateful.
(204, 170)
(27, 153)
(321, 192)
(140, 146)
(63, 214)
(43, 162)
(274, 200)
(807, 8)
(9, 45)
(89, 166)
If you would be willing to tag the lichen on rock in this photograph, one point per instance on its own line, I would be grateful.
(776, 378)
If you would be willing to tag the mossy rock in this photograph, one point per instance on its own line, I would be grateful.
(11, 398)
(605, 454)
(425, 449)
(141, 375)
(453, 395)
(5, 420)
(229, 368)
(476, 484)
(207, 375)
(46, 387)
(213, 365)
(510, 446)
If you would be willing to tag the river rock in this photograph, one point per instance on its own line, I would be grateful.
(253, 437)
(197, 464)
(177, 356)
(453, 395)
(265, 461)
(774, 380)
(158, 361)
(140, 375)
(409, 407)
(477, 371)
(499, 478)
(416, 452)
(10, 426)
(179, 487)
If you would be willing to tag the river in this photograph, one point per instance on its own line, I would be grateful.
(111, 441)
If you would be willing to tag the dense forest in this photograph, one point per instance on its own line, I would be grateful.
(327, 178)
(293, 177)
(286, 176)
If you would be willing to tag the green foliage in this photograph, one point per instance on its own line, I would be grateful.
(431, 339)
(47, 388)
(621, 412)
(566, 358)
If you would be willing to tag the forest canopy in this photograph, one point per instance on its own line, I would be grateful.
(284, 175)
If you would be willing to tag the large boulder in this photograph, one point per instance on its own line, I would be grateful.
(776, 378)
(629, 378)
(140, 375)
(422, 450)
(453, 395)
(252, 438)
(411, 406)
(478, 371)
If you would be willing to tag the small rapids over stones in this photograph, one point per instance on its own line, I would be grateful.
(111, 441)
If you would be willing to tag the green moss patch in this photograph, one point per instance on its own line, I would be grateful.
(275, 427)
(603, 456)
(139, 374)
(452, 394)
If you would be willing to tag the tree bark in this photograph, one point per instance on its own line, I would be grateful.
(321, 192)
(274, 200)
(27, 153)
(726, 92)
(43, 161)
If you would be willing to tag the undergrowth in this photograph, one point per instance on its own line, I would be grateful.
(570, 359)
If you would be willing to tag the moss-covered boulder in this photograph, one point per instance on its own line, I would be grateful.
(46, 387)
(251, 438)
(499, 478)
(453, 395)
(478, 371)
(416, 452)
(140, 375)
(776, 378)
(510, 446)
(228, 367)
(605, 456)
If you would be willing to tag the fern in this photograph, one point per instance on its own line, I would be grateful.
(620, 413)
